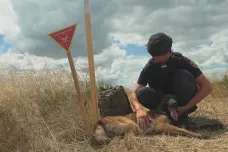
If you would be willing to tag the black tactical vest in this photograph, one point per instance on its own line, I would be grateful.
(162, 77)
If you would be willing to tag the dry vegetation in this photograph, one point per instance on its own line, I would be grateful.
(39, 112)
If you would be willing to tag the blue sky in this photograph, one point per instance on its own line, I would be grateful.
(132, 49)
(136, 50)
(4, 45)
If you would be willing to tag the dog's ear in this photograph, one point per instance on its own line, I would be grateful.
(172, 103)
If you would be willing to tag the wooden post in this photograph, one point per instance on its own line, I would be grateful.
(64, 37)
(87, 125)
(94, 104)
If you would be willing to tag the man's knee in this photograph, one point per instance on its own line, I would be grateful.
(185, 80)
(145, 91)
(184, 74)
(147, 97)
(185, 87)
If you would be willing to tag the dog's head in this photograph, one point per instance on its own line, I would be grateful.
(170, 104)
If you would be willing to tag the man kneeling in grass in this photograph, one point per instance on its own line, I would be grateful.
(168, 72)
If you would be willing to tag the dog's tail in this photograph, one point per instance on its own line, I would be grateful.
(99, 136)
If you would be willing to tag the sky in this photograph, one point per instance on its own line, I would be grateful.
(120, 30)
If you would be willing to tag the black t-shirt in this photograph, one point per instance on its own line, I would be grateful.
(150, 75)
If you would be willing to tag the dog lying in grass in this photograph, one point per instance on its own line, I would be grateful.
(110, 126)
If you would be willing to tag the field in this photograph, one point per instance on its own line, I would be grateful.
(39, 112)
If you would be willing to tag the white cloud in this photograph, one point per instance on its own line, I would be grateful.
(191, 24)
(38, 18)
(112, 66)
(25, 61)
(129, 38)
(215, 73)
(216, 53)
(8, 26)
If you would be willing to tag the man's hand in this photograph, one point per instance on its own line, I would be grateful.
(141, 115)
(181, 110)
(142, 119)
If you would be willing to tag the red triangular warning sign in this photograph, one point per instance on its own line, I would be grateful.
(64, 36)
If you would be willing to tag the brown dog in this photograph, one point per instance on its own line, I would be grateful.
(111, 126)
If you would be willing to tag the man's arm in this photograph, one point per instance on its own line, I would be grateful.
(141, 114)
(204, 90)
(201, 80)
(135, 103)
(141, 82)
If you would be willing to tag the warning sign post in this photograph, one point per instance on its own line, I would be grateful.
(64, 38)
(95, 111)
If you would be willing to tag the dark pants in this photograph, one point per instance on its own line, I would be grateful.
(184, 89)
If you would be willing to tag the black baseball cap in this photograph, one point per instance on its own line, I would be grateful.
(159, 44)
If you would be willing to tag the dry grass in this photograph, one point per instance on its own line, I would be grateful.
(40, 113)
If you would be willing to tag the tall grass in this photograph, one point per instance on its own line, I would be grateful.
(220, 87)
(39, 110)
